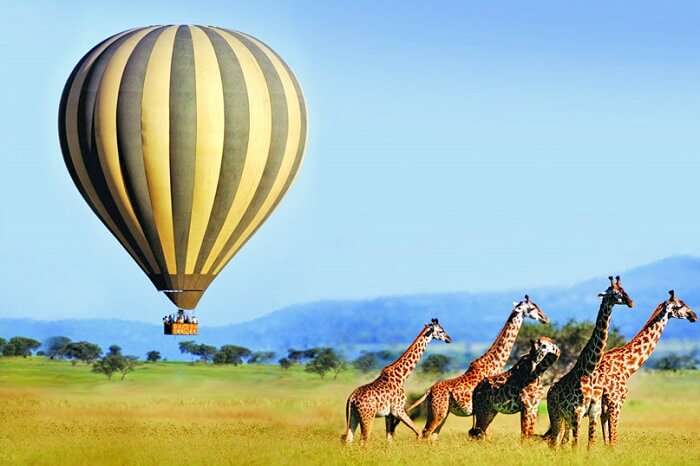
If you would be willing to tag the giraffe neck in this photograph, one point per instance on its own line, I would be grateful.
(499, 351)
(522, 369)
(592, 353)
(545, 364)
(523, 373)
(400, 369)
(644, 342)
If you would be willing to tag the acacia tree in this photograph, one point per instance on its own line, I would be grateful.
(82, 351)
(676, 362)
(127, 365)
(231, 354)
(299, 356)
(153, 356)
(285, 363)
(366, 362)
(56, 347)
(188, 347)
(436, 364)
(8, 349)
(261, 357)
(114, 361)
(205, 352)
(107, 365)
(22, 346)
(326, 360)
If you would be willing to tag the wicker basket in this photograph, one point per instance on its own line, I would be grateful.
(180, 329)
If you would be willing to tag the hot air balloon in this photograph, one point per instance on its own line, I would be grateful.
(182, 140)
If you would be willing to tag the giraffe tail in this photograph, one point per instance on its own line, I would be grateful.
(348, 407)
(418, 402)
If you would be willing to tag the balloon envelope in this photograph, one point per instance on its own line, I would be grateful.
(182, 139)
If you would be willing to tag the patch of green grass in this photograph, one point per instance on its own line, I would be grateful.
(183, 414)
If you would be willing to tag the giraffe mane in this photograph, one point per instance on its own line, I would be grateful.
(661, 307)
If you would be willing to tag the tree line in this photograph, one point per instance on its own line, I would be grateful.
(570, 336)
(226, 354)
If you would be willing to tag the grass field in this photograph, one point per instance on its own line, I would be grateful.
(182, 414)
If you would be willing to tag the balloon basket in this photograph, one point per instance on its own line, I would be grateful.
(180, 329)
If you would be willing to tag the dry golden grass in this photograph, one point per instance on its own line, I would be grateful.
(178, 414)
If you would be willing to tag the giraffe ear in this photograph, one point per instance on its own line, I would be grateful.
(515, 303)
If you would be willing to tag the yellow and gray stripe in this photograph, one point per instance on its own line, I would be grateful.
(183, 140)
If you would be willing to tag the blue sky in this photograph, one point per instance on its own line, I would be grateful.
(451, 147)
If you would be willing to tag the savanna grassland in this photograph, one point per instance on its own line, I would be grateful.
(183, 414)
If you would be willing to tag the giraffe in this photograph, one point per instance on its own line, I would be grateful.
(619, 364)
(455, 395)
(386, 396)
(568, 397)
(516, 390)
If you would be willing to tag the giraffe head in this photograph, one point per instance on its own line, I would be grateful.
(615, 294)
(677, 309)
(543, 353)
(529, 309)
(543, 347)
(435, 331)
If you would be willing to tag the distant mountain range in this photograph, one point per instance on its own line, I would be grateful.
(470, 318)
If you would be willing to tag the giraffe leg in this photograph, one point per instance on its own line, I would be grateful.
(438, 410)
(554, 432)
(593, 419)
(566, 434)
(366, 419)
(574, 433)
(555, 425)
(406, 419)
(394, 424)
(528, 420)
(613, 418)
(483, 419)
(603, 427)
(437, 430)
(592, 422)
(389, 423)
(604, 421)
(575, 424)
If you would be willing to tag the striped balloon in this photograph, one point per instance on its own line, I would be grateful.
(183, 140)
